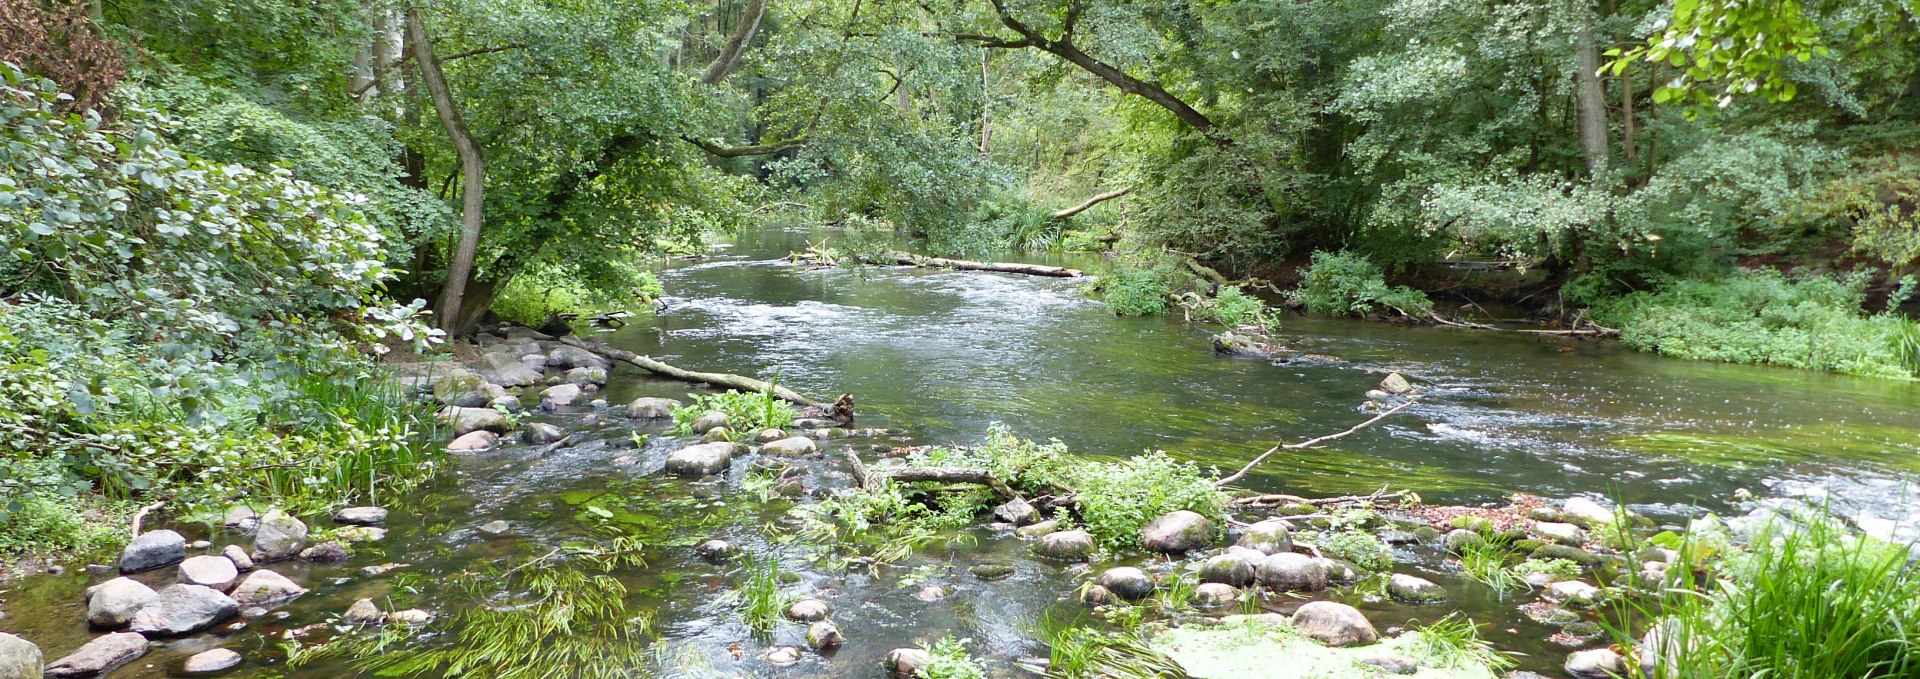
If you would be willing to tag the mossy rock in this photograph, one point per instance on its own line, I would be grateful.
(1527, 545)
(1298, 509)
(1473, 523)
(1574, 554)
(1426, 534)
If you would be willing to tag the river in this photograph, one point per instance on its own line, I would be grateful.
(946, 355)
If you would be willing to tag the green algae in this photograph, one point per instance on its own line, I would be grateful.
(1256, 648)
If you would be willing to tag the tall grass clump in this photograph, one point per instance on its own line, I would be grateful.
(758, 599)
(1801, 600)
(1084, 651)
(1454, 642)
(1765, 317)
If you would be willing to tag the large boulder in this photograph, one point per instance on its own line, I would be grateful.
(153, 549)
(1236, 567)
(464, 389)
(701, 460)
(474, 442)
(265, 587)
(1586, 512)
(587, 376)
(184, 609)
(824, 635)
(1563, 533)
(1177, 533)
(568, 356)
(1267, 537)
(905, 663)
(559, 396)
(1334, 624)
(97, 657)
(808, 610)
(1066, 545)
(1128, 582)
(505, 369)
(19, 658)
(1017, 512)
(792, 446)
(1290, 572)
(280, 536)
(113, 603)
(211, 571)
(1216, 595)
(648, 408)
(1397, 384)
(541, 433)
(1415, 590)
(465, 420)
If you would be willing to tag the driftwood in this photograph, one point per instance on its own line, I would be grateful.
(1096, 200)
(1593, 329)
(556, 445)
(728, 380)
(141, 515)
(1283, 499)
(933, 475)
(910, 259)
(1308, 444)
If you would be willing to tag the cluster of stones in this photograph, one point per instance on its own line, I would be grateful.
(197, 593)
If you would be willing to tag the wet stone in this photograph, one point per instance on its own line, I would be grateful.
(216, 572)
(183, 609)
(265, 587)
(1072, 545)
(808, 610)
(824, 635)
(1291, 572)
(1334, 624)
(209, 662)
(1411, 589)
(1127, 582)
(1177, 532)
(153, 549)
(97, 657)
(113, 603)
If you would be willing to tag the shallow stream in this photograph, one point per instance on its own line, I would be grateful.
(944, 355)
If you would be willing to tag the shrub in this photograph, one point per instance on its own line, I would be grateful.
(34, 523)
(951, 661)
(1761, 316)
(746, 411)
(1117, 499)
(1131, 291)
(530, 297)
(1345, 284)
(1357, 547)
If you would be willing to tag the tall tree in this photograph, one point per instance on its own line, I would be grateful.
(472, 170)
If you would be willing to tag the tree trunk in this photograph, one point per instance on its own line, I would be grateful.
(1592, 103)
(986, 99)
(473, 185)
(728, 380)
(729, 56)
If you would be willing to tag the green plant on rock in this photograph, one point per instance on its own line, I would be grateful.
(746, 411)
(1117, 499)
(1486, 563)
(1558, 568)
(1361, 548)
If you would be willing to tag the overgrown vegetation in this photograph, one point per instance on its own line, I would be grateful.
(1804, 597)
(1346, 284)
(1454, 642)
(746, 411)
(952, 661)
(1766, 317)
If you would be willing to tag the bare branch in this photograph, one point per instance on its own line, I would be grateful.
(754, 150)
(1309, 443)
(1096, 200)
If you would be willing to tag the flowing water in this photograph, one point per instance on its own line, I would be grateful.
(944, 356)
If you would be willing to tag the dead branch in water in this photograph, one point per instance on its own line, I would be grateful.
(731, 381)
(556, 445)
(866, 477)
(1309, 443)
(1284, 499)
(141, 515)
(1594, 329)
(910, 259)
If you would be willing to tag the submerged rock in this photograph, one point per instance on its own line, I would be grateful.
(541, 433)
(1396, 384)
(212, 661)
(991, 571)
(716, 550)
(184, 609)
(363, 612)
(1416, 590)
(701, 460)
(495, 527)
(1290, 572)
(1095, 595)
(1334, 624)
(151, 550)
(1177, 533)
(649, 408)
(1127, 582)
(824, 635)
(113, 603)
(1071, 545)
(97, 657)
(931, 593)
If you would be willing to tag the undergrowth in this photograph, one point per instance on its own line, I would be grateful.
(1347, 284)
(746, 411)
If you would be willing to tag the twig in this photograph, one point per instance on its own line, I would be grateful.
(556, 445)
(1309, 443)
(141, 515)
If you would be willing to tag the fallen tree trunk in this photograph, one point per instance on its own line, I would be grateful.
(932, 475)
(1594, 329)
(731, 381)
(910, 259)
(1284, 499)
(1096, 200)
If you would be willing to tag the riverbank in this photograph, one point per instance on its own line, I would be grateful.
(787, 532)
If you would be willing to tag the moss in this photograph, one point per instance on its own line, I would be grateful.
(1267, 648)
(1574, 554)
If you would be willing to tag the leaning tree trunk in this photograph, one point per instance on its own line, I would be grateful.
(473, 172)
